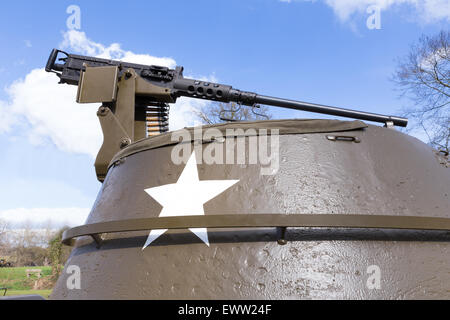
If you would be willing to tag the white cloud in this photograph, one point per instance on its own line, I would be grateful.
(44, 217)
(47, 112)
(51, 113)
(425, 10)
(6, 118)
(79, 42)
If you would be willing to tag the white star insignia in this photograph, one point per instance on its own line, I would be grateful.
(186, 198)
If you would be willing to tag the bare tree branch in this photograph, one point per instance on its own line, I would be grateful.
(424, 77)
(218, 112)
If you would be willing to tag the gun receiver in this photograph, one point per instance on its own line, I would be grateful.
(132, 108)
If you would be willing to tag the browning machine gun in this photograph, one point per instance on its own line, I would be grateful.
(135, 98)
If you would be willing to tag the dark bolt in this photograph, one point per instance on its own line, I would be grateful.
(102, 111)
(124, 142)
(281, 234)
(119, 162)
(128, 74)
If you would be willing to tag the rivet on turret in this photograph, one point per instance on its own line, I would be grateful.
(102, 111)
(281, 235)
(124, 142)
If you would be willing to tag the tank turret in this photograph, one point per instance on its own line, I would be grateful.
(277, 209)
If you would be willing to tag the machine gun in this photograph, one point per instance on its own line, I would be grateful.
(135, 98)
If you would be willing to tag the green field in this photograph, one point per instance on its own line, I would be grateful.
(15, 279)
(44, 293)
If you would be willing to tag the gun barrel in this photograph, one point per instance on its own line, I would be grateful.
(318, 108)
(70, 71)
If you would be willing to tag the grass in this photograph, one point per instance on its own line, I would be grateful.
(20, 272)
(44, 293)
(15, 279)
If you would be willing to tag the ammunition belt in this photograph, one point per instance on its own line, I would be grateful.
(157, 118)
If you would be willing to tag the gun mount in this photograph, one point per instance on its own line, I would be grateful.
(135, 98)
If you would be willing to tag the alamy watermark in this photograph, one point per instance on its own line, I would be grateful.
(73, 22)
(374, 20)
(212, 146)
(374, 279)
(74, 278)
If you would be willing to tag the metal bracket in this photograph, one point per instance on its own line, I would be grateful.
(389, 125)
(343, 138)
(115, 138)
(98, 240)
(121, 122)
(98, 84)
(223, 118)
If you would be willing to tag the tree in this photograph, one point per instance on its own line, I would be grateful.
(424, 77)
(57, 253)
(219, 112)
(3, 234)
(3, 227)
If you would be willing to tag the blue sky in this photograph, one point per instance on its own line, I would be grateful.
(316, 51)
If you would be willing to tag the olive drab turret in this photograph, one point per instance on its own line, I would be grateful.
(277, 209)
